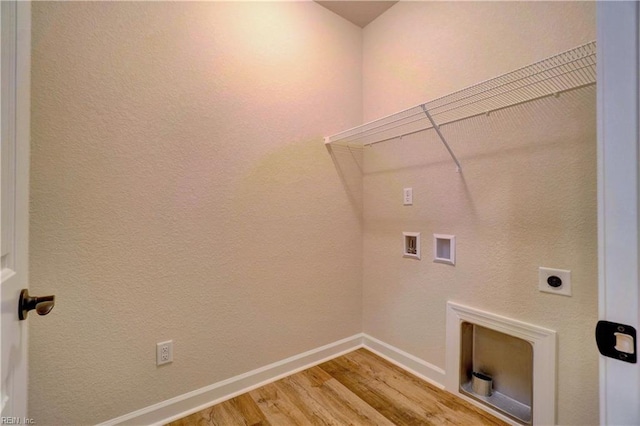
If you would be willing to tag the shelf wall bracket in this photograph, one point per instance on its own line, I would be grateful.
(444, 141)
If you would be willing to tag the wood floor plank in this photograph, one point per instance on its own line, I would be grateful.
(316, 376)
(365, 413)
(317, 413)
(400, 396)
(447, 406)
(201, 418)
(380, 397)
(331, 394)
(241, 410)
(249, 410)
(418, 400)
(278, 408)
(225, 415)
(193, 419)
(444, 405)
(358, 388)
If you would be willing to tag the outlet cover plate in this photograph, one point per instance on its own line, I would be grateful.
(164, 352)
(563, 274)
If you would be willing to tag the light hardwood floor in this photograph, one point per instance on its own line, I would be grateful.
(358, 388)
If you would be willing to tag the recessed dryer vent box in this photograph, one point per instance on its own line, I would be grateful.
(411, 244)
(444, 249)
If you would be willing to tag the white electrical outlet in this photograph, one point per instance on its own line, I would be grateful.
(164, 352)
(407, 196)
(556, 281)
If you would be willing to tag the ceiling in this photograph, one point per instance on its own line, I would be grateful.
(360, 13)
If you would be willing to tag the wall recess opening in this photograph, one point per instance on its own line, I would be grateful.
(497, 369)
(514, 362)
(411, 244)
(444, 249)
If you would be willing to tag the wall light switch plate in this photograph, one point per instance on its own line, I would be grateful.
(555, 281)
(407, 196)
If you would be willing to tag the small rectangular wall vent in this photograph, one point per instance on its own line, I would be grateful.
(444, 249)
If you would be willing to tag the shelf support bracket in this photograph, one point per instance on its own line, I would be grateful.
(444, 141)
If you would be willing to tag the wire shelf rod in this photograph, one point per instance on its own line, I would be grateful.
(510, 83)
(588, 48)
(434, 110)
(568, 73)
(387, 128)
(483, 111)
(546, 95)
(513, 100)
(442, 138)
(397, 137)
(569, 70)
(360, 129)
(444, 123)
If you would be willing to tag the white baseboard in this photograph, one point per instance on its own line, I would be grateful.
(192, 402)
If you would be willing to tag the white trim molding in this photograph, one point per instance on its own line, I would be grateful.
(199, 399)
(544, 357)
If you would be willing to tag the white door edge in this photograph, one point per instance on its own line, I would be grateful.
(618, 197)
(16, 28)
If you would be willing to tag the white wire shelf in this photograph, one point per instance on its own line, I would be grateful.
(560, 73)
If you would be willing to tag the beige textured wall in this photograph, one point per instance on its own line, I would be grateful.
(526, 197)
(178, 167)
(181, 190)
